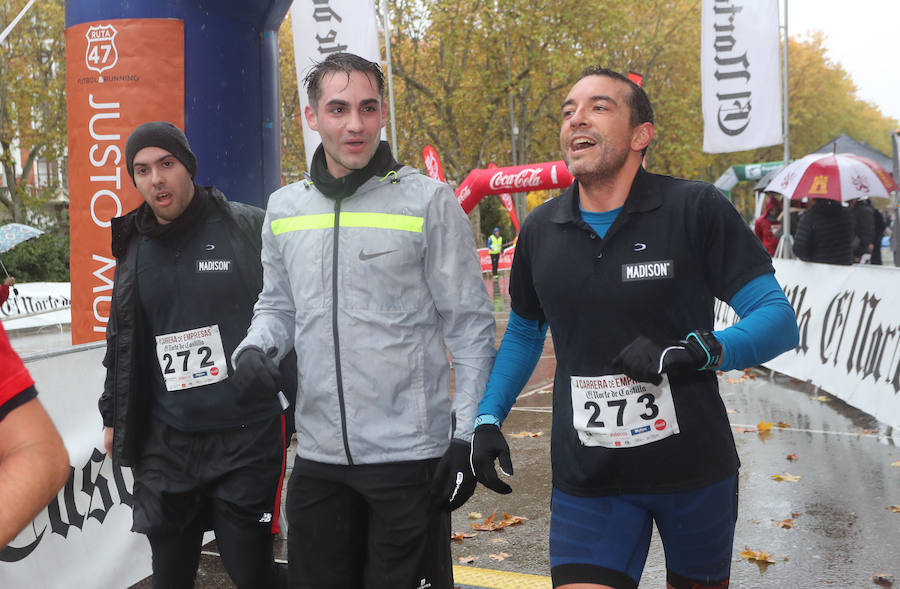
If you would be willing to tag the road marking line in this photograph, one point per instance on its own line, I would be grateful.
(816, 431)
(490, 579)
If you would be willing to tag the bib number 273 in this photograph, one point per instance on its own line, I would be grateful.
(651, 410)
(615, 411)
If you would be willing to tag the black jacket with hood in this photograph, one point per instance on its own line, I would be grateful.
(125, 404)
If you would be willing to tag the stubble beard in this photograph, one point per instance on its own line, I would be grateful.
(608, 165)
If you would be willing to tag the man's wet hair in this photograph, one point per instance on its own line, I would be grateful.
(638, 101)
(346, 63)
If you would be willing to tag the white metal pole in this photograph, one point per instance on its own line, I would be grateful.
(15, 21)
(785, 246)
(390, 76)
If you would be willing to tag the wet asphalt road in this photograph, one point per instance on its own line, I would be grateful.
(844, 530)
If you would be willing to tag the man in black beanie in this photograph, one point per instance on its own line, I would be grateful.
(206, 453)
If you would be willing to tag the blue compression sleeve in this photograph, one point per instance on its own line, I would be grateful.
(519, 353)
(768, 326)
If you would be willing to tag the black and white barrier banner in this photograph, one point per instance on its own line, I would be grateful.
(36, 304)
(849, 321)
(83, 538)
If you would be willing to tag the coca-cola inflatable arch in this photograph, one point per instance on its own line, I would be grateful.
(493, 180)
(482, 182)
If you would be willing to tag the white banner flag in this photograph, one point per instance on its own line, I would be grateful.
(740, 75)
(321, 28)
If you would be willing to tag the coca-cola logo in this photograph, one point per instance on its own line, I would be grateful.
(432, 166)
(526, 178)
(464, 192)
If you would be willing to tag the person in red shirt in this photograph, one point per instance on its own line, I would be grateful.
(34, 464)
(768, 226)
(4, 288)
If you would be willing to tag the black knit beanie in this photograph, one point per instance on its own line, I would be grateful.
(165, 136)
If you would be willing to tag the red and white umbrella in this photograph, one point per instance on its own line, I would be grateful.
(839, 176)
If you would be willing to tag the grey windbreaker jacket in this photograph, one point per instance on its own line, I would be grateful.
(373, 291)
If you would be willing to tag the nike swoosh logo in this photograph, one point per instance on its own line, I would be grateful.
(210, 247)
(364, 256)
(639, 247)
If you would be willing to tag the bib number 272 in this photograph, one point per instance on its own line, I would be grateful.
(205, 353)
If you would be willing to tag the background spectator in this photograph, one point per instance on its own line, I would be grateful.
(825, 233)
(768, 226)
(864, 229)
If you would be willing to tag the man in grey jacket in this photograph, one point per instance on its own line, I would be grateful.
(370, 272)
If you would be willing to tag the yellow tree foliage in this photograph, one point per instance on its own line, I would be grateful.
(293, 155)
(456, 64)
(32, 100)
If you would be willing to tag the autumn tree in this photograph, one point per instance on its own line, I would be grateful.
(32, 102)
(823, 104)
(293, 154)
(481, 80)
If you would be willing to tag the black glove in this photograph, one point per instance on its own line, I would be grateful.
(489, 444)
(454, 482)
(645, 361)
(256, 372)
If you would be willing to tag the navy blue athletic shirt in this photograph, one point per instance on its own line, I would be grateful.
(189, 280)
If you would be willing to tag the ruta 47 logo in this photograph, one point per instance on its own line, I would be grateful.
(101, 52)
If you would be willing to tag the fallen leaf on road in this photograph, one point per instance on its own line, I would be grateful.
(792, 457)
(758, 555)
(795, 514)
(735, 380)
(787, 524)
(526, 435)
(489, 525)
(895, 463)
(822, 399)
(460, 536)
(745, 430)
(782, 424)
(787, 477)
(474, 515)
(755, 521)
(764, 426)
(883, 579)
(732, 411)
(467, 559)
(501, 556)
(895, 508)
(499, 541)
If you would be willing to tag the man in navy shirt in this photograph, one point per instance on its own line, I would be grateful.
(207, 449)
(624, 268)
